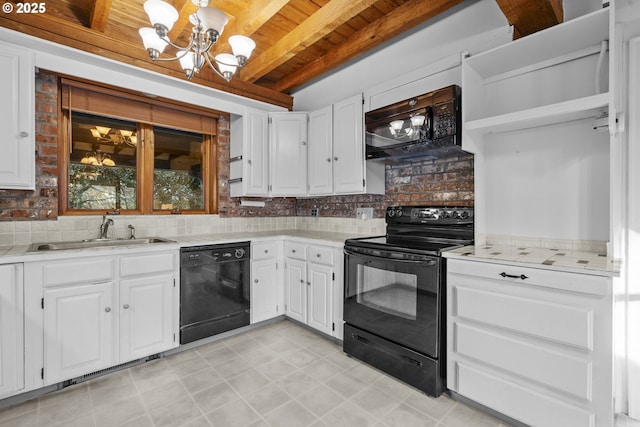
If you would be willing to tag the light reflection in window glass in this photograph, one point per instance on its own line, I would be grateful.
(102, 163)
(177, 175)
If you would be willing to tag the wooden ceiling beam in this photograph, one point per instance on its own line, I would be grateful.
(402, 18)
(529, 16)
(63, 32)
(246, 23)
(325, 20)
(100, 15)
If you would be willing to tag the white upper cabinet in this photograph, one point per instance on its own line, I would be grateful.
(288, 138)
(17, 118)
(348, 146)
(249, 154)
(336, 152)
(321, 151)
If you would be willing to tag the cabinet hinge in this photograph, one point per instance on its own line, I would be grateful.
(270, 120)
(333, 326)
(277, 308)
(42, 303)
(276, 265)
(174, 337)
(364, 183)
(285, 307)
(42, 373)
(174, 285)
(333, 276)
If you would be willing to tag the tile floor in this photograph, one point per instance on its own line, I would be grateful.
(277, 375)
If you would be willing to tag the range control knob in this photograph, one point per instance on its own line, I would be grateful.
(464, 214)
(239, 253)
(391, 213)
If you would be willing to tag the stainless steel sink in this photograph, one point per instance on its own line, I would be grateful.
(95, 243)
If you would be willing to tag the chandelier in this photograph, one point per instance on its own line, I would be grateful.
(208, 24)
(118, 137)
(97, 158)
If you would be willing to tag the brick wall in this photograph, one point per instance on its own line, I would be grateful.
(42, 203)
(442, 182)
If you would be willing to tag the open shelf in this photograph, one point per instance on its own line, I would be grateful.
(557, 41)
(575, 109)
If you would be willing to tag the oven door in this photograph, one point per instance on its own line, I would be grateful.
(394, 295)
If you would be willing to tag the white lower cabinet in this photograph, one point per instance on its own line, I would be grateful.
(266, 285)
(146, 323)
(80, 323)
(11, 329)
(309, 282)
(103, 311)
(533, 344)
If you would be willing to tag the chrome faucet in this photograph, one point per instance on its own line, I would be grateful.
(132, 232)
(104, 227)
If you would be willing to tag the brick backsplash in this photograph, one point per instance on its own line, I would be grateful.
(441, 182)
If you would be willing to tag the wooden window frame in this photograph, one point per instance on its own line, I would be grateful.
(145, 154)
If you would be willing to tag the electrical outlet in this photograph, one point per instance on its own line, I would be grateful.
(314, 212)
(364, 213)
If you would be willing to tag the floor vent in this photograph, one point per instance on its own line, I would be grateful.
(101, 372)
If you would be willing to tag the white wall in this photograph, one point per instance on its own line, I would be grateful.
(550, 182)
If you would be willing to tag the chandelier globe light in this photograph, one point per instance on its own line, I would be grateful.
(208, 24)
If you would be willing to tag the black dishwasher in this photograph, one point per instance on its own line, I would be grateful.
(214, 289)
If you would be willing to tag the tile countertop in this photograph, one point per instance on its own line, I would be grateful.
(549, 259)
(20, 253)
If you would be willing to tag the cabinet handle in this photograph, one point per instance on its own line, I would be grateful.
(255, 280)
(24, 134)
(308, 283)
(329, 159)
(301, 281)
(266, 251)
(513, 276)
(304, 142)
(249, 161)
(126, 306)
(108, 309)
(335, 158)
(293, 251)
(318, 255)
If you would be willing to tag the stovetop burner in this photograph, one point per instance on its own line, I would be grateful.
(421, 229)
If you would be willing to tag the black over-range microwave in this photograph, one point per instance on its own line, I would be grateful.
(422, 127)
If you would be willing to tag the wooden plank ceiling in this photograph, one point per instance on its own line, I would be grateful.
(297, 40)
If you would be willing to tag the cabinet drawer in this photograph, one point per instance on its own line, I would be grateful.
(575, 282)
(77, 271)
(532, 360)
(321, 255)
(264, 250)
(543, 319)
(295, 250)
(521, 403)
(139, 264)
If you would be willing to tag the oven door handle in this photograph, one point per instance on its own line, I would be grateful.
(427, 259)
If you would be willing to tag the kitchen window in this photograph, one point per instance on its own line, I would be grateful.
(124, 153)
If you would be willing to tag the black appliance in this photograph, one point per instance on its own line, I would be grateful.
(214, 289)
(419, 128)
(394, 306)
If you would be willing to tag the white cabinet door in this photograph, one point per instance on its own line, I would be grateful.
(264, 290)
(17, 112)
(348, 146)
(256, 157)
(80, 330)
(321, 152)
(296, 290)
(288, 138)
(319, 302)
(11, 329)
(146, 316)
